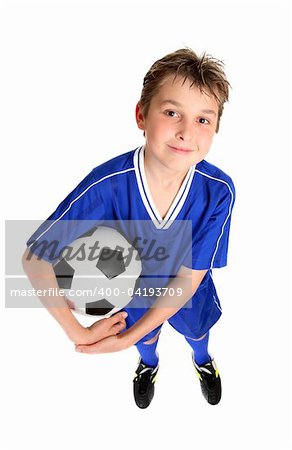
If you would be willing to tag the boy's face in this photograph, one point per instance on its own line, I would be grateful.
(180, 124)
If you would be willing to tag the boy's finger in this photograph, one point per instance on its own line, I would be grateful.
(117, 327)
(86, 348)
(119, 317)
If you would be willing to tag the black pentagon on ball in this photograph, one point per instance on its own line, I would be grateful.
(98, 308)
(111, 262)
(64, 274)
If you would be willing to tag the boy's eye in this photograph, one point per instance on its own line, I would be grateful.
(171, 113)
(203, 120)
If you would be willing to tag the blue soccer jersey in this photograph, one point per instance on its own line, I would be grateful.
(117, 190)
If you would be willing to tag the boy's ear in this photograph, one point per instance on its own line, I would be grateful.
(140, 117)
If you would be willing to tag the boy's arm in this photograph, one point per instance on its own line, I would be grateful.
(163, 308)
(42, 277)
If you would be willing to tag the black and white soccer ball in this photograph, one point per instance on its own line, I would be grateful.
(98, 272)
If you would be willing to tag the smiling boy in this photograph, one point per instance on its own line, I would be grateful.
(168, 180)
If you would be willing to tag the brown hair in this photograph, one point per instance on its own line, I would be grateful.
(204, 71)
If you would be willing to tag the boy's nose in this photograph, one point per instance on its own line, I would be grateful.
(185, 131)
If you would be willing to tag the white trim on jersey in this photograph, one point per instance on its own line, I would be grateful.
(227, 217)
(77, 198)
(146, 196)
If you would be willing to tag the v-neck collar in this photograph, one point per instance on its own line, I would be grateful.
(146, 196)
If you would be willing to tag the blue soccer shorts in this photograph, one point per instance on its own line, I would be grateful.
(194, 320)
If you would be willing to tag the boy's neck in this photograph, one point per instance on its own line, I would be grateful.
(160, 174)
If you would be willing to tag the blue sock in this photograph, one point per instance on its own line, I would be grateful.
(200, 349)
(148, 353)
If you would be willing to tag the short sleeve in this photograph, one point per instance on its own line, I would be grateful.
(210, 244)
(80, 211)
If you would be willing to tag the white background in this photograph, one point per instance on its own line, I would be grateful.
(72, 73)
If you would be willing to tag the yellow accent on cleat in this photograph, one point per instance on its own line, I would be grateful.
(216, 369)
(198, 374)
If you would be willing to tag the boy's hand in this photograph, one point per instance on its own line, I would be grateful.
(104, 328)
(107, 345)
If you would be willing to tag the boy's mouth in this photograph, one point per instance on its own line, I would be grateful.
(180, 149)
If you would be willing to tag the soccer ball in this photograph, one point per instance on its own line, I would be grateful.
(98, 272)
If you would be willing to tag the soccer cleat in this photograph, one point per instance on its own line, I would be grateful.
(144, 380)
(210, 381)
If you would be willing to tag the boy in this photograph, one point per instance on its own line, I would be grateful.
(164, 181)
